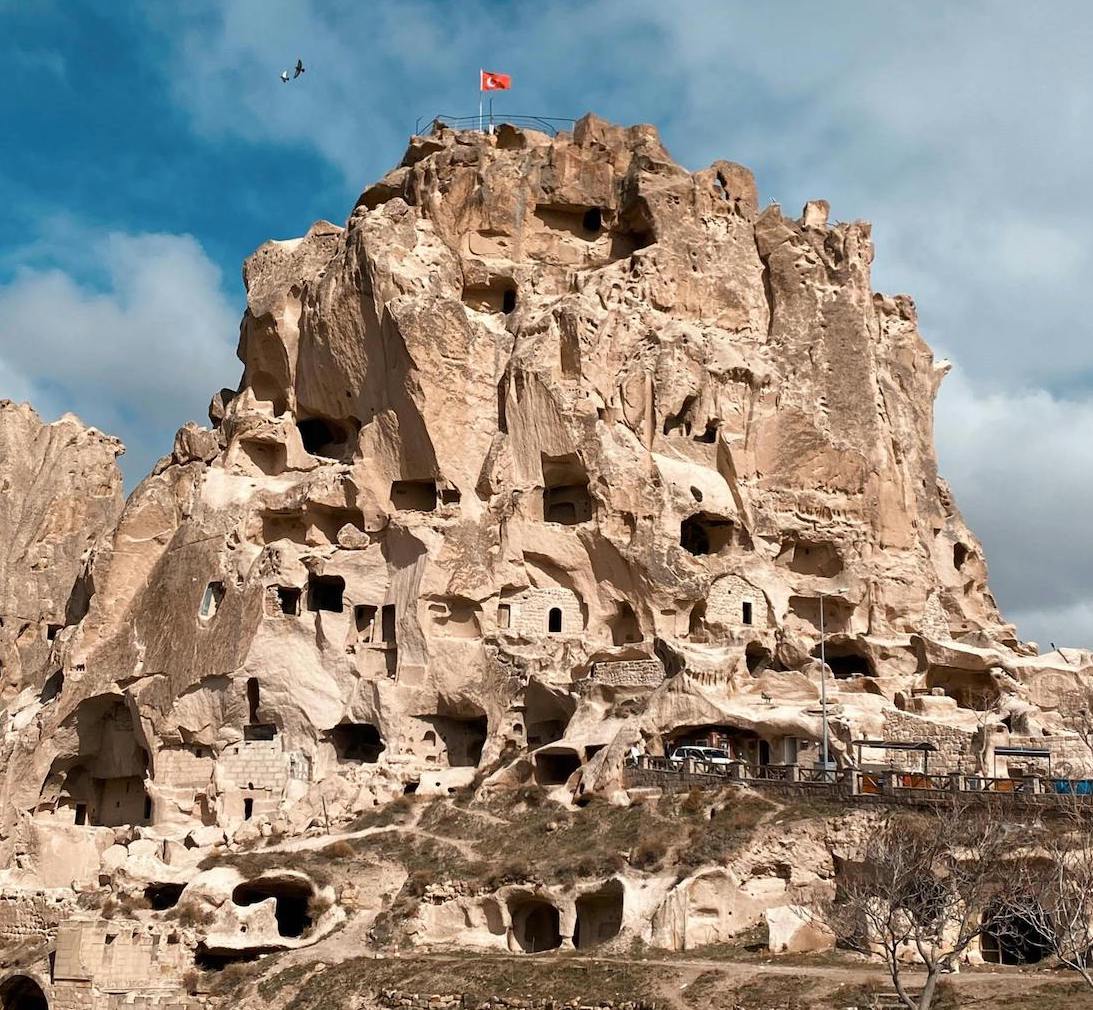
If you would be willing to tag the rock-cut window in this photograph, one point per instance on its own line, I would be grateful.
(554, 620)
(214, 594)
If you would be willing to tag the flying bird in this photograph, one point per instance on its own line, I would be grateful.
(284, 77)
(299, 69)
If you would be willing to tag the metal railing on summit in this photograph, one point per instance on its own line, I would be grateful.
(552, 125)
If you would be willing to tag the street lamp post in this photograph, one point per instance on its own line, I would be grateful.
(823, 686)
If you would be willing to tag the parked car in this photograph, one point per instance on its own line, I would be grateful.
(711, 755)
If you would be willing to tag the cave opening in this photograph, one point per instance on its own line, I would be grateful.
(160, 897)
(1012, 937)
(846, 660)
(21, 992)
(599, 916)
(535, 925)
(555, 768)
(359, 742)
(624, 625)
(292, 897)
(414, 495)
(323, 437)
(325, 592)
(703, 533)
(566, 499)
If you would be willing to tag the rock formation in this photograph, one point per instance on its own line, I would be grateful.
(556, 449)
(60, 491)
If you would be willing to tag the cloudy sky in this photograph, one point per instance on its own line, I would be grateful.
(147, 151)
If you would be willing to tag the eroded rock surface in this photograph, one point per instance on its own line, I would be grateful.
(60, 491)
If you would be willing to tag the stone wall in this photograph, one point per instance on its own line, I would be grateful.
(531, 609)
(725, 603)
(955, 747)
(465, 1001)
(626, 673)
(255, 764)
(28, 915)
(184, 767)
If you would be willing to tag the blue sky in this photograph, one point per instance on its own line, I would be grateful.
(147, 151)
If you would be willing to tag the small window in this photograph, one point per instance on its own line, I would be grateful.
(554, 620)
(504, 616)
(254, 699)
(289, 599)
(147, 808)
(214, 594)
(81, 813)
(508, 301)
(387, 619)
(248, 808)
(592, 220)
(324, 592)
(364, 617)
(747, 611)
(52, 631)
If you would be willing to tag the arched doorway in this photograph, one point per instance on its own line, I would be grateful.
(21, 992)
(536, 926)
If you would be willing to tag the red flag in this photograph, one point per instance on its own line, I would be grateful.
(494, 82)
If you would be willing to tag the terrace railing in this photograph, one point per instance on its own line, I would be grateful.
(552, 125)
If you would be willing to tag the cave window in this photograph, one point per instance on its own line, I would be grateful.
(214, 594)
(324, 592)
(52, 631)
(592, 220)
(52, 687)
(357, 741)
(450, 496)
(292, 897)
(163, 896)
(504, 616)
(387, 620)
(508, 301)
(364, 618)
(746, 616)
(709, 435)
(554, 620)
(960, 555)
(625, 628)
(81, 813)
(566, 499)
(321, 438)
(414, 495)
(703, 533)
(555, 769)
(253, 699)
(696, 624)
(248, 808)
(289, 599)
(147, 807)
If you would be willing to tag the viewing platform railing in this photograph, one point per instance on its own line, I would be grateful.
(849, 783)
(552, 125)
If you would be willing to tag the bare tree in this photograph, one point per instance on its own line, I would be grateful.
(1058, 884)
(927, 886)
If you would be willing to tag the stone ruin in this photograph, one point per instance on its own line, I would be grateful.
(554, 450)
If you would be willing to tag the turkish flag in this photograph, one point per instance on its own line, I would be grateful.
(494, 82)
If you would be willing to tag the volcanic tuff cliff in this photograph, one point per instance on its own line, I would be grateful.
(552, 450)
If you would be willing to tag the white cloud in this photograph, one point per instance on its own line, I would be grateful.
(136, 353)
(1022, 466)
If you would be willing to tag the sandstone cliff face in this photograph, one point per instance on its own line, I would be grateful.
(60, 491)
(555, 449)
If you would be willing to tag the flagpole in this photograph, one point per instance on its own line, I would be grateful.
(479, 99)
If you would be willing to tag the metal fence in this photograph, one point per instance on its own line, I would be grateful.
(552, 125)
